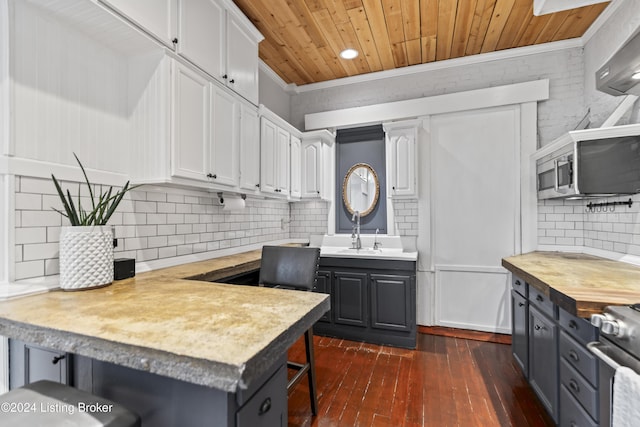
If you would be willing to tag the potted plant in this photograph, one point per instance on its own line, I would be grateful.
(86, 246)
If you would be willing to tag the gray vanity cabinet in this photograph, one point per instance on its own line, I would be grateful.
(323, 286)
(30, 363)
(372, 300)
(350, 298)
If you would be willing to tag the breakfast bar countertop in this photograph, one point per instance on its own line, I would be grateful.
(216, 335)
(580, 284)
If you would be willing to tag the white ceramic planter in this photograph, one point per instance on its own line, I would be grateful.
(86, 257)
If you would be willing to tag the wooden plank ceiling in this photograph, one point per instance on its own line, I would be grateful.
(303, 38)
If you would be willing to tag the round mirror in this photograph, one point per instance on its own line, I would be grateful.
(360, 189)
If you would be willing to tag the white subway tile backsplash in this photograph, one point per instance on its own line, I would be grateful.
(29, 269)
(40, 218)
(31, 235)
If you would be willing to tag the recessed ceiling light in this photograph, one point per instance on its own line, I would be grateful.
(636, 75)
(349, 53)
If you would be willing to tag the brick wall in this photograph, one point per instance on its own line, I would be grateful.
(567, 222)
(149, 225)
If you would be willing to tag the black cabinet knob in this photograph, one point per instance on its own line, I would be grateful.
(573, 385)
(265, 406)
(257, 185)
(518, 283)
(56, 359)
(520, 304)
(574, 356)
(539, 298)
(573, 324)
(225, 77)
(232, 81)
(210, 175)
(175, 40)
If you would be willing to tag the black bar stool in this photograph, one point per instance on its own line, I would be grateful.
(294, 268)
(48, 404)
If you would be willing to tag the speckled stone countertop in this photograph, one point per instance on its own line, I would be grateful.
(216, 335)
(581, 284)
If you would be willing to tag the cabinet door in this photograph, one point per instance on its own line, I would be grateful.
(249, 148)
(190, 139)
(225, 129)
(519, 332)
(283, 161)
(323, 285)
(30, 363)
(242, 61)
(295, 167)
(391, 303)
(201, 35)
(268, 156)
(157, 17)
(543, 359)
(350, 298)
(401, 157)
(311, 169)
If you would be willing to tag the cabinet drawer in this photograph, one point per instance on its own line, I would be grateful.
(541, 301)
(579, 388)
(577, 355)
(579, 328)
(519, 285)
(572, 414)
(268, 407)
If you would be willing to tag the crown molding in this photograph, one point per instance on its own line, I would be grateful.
(287, 87)
(449, 63)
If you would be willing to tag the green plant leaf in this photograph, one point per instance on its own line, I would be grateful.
(69, 212)
(74, 218)
(86, 179)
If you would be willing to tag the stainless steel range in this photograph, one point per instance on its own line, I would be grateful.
(618, 345)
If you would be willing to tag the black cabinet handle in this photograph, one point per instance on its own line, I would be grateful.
(225, 77)
(232, 81)
(175, 40)
(265, 406)
(56, 359)
(518, 283)
(214, 176)
(258, 185)
(574, 356)
(538, 328)
(573, 385)
(539, 298)
(520, 304)
(573, 324)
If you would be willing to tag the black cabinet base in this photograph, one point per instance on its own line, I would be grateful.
(354, 333)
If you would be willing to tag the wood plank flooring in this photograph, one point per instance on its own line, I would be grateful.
(446, 381)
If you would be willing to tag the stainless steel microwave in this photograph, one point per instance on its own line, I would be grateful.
(591, 163)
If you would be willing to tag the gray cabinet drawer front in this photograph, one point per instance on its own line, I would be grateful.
(577, 355)
(519, 285)
(571, 413)
(579, 388)
(268, 407)
(541, 301)
(579, 328)
(520, 331)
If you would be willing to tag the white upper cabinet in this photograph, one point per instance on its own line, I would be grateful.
(275, 155)
(225, 133)
(242, 60)
(218, 38)
(157, 17)
(401, 145)
(317, 164)
(296, 169)
(201, 33)
(190, 123)
(249, 149)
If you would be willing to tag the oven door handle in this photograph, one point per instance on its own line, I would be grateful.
(594, 347)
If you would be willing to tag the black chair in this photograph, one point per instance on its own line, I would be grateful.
(294, 268)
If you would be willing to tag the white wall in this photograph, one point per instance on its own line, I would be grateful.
(562, 112)
(609, 38)
(273, 95)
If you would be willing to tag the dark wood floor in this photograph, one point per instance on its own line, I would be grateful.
(444, 382)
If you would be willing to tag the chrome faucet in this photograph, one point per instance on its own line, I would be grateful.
(376, 244)
(357, 244)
